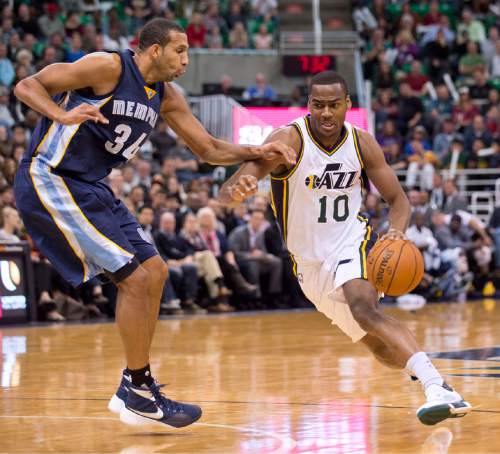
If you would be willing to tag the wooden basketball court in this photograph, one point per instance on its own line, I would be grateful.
(282, 382)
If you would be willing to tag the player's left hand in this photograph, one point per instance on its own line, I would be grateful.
(393, 235)
(274, 150)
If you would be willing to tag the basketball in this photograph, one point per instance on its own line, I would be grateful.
(395, 267)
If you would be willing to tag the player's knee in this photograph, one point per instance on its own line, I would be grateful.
(136, 283)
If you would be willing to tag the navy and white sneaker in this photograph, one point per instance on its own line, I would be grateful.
(117, 402)
(147, 405)
(442, 403)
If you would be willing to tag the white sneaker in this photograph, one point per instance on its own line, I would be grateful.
(442, 403)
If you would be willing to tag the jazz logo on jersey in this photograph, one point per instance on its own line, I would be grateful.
(331, 178)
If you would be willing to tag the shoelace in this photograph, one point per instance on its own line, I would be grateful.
(171, 406)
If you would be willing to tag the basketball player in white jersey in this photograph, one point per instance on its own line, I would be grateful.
(317, 203)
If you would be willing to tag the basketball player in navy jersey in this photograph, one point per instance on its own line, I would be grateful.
(317, 203)
(97, 112)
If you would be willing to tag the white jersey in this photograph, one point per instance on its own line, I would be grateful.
(317, 202)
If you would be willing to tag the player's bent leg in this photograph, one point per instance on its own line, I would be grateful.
(381, 352)
(158, 274)
(402, 351)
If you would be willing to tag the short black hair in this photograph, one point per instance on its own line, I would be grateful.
(157, 31)
(328, 78)
(145, 207)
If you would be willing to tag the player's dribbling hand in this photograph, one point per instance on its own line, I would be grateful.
(274, 150)
(393, 235)
(82, 113)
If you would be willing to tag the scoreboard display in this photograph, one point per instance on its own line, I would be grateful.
(307, 65)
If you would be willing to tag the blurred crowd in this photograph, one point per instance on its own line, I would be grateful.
(435, 73)
(435, 70)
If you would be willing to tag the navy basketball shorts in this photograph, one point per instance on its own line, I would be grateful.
(81, 228)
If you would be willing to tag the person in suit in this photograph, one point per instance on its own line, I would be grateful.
(248, 244)
(453, 201)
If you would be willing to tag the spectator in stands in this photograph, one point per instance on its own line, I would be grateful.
(383, 77)
(49, 57)
(495, 61)
(196, 31)
(57, 42)
(11, 225)
(477, 130)
(263, 40)
(213, 19)
(410, 109)
(205, 260)
(216, 242)
(472, 60)
(457, 155)
(437, 53)
(440, 108)
(75, 51)
(7, 72)
(145, 217)
(416, 79)
(433, 17)
(480, 89)
(423, 238)
(5, 114)
(442, 141)
(474, 28)
(374, 52)
(465, 110)
(25, 22)
(182, 270)
(49, 22)
(260, 90)
(453, 200)
(235, 14)
(214, 38)
(238, 37)
(247, 242)
(385, 108)
(407, 48)
(488, 46)
(264, 9)
(421, 159)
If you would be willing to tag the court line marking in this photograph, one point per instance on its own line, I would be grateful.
(310, 404)
(287, 444)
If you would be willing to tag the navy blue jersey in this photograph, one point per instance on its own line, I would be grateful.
(88, 151)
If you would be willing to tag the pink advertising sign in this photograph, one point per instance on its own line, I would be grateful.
(251, 125)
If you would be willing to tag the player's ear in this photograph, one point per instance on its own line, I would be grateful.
(348, 102)
(155, 50)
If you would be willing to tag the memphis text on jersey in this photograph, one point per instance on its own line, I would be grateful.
(135, 110)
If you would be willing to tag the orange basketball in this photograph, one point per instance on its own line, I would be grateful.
(395, 267)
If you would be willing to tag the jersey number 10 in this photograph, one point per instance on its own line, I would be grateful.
(124, 132)
(340, 209)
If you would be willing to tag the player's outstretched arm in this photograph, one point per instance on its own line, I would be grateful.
(384, 179)
(99, 70)
(177, 114)
(244, 182)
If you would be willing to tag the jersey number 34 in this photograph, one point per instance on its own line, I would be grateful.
(123, 132)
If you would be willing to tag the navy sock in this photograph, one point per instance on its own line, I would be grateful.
(141, 376)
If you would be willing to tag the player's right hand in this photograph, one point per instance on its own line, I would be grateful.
(245, 187)
(82, 113)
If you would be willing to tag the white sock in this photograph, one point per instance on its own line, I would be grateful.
(421, 367)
